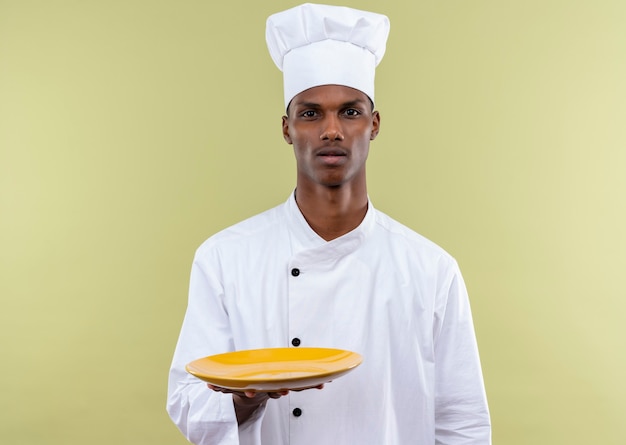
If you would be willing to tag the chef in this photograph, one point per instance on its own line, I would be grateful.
(326, 269)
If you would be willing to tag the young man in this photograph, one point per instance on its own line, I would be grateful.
(326, 269)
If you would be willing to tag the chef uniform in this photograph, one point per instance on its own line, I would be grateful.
(380, 290)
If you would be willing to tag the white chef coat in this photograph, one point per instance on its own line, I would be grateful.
(381, 290)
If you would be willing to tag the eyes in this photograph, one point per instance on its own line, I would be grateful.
(348, 112)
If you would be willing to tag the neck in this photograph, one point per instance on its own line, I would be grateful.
(332, 212)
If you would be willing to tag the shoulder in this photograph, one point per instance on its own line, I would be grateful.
(256, 228)
(401, 237)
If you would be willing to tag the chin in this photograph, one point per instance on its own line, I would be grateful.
(332, 182)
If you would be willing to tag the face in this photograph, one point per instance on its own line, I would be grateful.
(330, 128)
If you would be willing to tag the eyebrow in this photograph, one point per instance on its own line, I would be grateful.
(348, 104)
(307, 105)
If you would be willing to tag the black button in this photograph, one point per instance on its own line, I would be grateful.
(295, 272)
(296, 342)
(297, 412)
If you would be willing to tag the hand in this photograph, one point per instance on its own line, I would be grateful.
(246, 402)
(252, 397)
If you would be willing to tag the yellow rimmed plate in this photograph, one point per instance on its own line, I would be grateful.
(274, 369)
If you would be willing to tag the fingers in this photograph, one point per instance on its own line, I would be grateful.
(277, 394)
(309, 387)
(250, 394)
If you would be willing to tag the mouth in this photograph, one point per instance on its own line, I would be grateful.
(331, 152)
(332, 157)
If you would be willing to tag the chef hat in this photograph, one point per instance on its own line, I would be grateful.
(326, 45)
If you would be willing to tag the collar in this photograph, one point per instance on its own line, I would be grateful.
(305, 241)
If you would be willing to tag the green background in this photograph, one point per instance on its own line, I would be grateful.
(130, 131)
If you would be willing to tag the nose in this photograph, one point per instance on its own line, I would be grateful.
(331, 130)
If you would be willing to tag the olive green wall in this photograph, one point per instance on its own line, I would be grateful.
(130, 131)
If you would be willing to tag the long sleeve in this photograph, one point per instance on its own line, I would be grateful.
(205, 417)
(381, 290)
(461, 411)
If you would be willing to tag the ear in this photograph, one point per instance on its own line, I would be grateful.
(286, 130)
(375, 125)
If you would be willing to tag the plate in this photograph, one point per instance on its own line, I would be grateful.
(274, 369)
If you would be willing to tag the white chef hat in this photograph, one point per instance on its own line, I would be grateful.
(326, 45)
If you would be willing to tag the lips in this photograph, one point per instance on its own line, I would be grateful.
(331, 152)
(332, 157)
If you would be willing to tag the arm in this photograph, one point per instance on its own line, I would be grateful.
(461, 412)
(206, 417)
